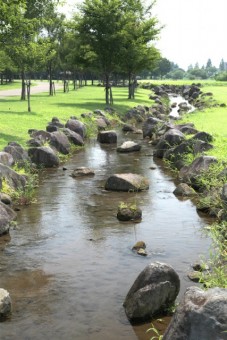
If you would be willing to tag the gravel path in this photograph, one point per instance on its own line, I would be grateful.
(38, 88)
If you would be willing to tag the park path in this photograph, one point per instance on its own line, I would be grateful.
(38, 88)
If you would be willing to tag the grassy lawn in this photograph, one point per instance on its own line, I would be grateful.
(16, 121)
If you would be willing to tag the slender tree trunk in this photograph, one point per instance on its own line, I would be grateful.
(28, 84)
(107, 88)
(51, 92)
(23, 86)
(129, 86)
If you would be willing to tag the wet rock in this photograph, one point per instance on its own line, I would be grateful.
(129, 146)
(139, 245)
(6, 199)
(73, 137)
(200, 315)
(142, 252)
(19, 154)
(44, 156)
(82, 171)
(129, 213)
(14, 180)
(76, 126)
(107, 137)
(201, 164)
(194, 276)
(60, 142)
(127, 182)
(6, 216)
(184, 190)
(154, 290)
(128, 128)
(5, 303)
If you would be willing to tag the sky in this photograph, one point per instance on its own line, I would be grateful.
(194, 30)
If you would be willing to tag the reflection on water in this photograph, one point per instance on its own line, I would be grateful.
(69, 265)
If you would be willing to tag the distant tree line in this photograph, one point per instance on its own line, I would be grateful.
(168, 70)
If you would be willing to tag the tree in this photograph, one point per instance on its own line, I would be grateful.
(137, 52)
(164, 67)
(110, 29)
(222, 65)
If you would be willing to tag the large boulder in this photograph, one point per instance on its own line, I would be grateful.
(6, 216)
(127, 182)
(201, 315)
(107, 137)
(76, 126)
(13, 179)
(18, 153)
(204, 136)
(60, 142)
(43, 156)
(129, 146)
(5, 303)
(154, 290)
(74, 137)
(41, 135)
(201, 164)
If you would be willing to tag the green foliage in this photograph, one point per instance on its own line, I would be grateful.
(23, 196)
(217, 275)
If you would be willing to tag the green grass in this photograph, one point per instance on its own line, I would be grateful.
(16, 84)
(15, 121)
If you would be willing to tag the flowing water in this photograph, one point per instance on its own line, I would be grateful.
(68, 265)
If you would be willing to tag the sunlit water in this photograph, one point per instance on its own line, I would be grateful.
(69, 264)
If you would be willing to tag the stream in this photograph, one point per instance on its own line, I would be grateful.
(68, 264)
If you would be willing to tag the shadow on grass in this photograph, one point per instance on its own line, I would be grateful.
(20, 113)
(6, 138)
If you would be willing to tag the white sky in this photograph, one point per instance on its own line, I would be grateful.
(195, 30)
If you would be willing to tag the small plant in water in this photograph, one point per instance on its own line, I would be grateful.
(155, 331)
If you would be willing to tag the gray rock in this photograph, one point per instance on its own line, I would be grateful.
(43, 156)
(150, 126)
(107, 137)
(129, 214)
(171, 138)
(6, 158)
(14, 180)
(184, 190)
(60, 142)
(201, 164)
(74, 137)
(76, 126)
(82, 171)
(126, 182)
(5, 303)
(6, 216)
(204, 136)
(129, 146)
(201, 146)
(19, 154)
(41, 135)
(101, 123)
(154, 290)
(201, 315)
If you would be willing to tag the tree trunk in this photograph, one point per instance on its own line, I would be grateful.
(51, 92)
(107, 88)
(23, 86)
(129, 86)
(28, 94)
